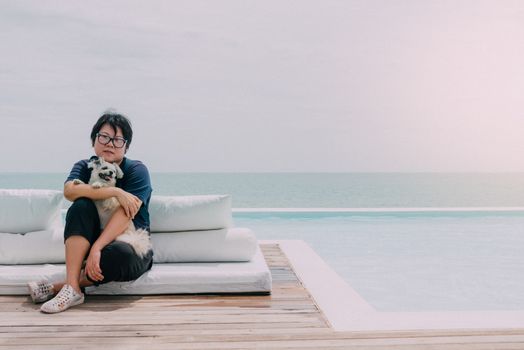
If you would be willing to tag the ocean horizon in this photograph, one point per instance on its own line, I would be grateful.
(323, 189)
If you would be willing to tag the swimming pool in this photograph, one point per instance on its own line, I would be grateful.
(404, 260)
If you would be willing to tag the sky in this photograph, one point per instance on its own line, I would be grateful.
(267, 86)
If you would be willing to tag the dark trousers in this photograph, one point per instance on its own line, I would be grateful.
(118, 260)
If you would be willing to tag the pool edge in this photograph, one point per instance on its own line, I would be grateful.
(346, 310)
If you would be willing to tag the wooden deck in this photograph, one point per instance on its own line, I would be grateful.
(286, 319)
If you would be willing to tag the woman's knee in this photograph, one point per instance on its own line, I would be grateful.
(82, 219)
(82, 205)
(119, 261)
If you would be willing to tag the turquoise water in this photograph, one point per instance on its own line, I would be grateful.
(400, 261)
(438, 261)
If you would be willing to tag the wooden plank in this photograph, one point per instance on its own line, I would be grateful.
(249, 346)
(273, 335)
(245, 327)
(270, 341)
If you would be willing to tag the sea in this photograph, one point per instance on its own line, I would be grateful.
(403, 241)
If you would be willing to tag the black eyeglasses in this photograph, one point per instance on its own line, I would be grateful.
(104, 139)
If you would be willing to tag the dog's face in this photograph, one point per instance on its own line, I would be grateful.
(104, 172)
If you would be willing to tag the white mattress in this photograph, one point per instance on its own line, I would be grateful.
(169, 278)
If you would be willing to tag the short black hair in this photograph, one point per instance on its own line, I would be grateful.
(114, 120)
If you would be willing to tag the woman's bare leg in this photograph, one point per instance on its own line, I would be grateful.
(76, 248)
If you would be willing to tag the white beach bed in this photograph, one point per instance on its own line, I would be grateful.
(196, 249)
(167, 278)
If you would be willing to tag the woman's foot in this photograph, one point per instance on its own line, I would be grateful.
(66, 298)
(40, 291)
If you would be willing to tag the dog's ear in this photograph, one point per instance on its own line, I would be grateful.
(91, 163)
(119, 172)
(94, 160)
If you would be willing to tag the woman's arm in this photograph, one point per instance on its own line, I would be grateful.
(118, 223)
(72, 191)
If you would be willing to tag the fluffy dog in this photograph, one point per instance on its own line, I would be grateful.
(104, 174)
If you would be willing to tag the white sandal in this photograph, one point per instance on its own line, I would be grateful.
(40, 291)
(66, 298)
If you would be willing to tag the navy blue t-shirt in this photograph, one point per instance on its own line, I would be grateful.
(135, 181)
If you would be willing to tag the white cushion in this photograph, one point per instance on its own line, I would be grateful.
(38, 247)
(232, 244)
(187, 213)
(23, 211)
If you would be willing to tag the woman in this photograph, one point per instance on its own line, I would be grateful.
(107, 260)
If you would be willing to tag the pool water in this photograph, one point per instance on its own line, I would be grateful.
(413, 261)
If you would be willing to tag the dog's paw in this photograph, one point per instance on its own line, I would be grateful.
(97, 185)
(77, 181)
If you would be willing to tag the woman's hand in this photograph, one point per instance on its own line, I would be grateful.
(129, 202)
(92, 268)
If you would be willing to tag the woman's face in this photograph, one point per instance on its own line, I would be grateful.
(109, 152)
